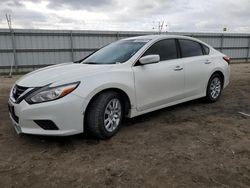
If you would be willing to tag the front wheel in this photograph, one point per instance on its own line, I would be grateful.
(214, 88)
(104, 115)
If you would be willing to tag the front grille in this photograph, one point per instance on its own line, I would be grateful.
(18, 91)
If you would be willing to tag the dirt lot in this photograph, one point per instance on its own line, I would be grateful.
(189, 145)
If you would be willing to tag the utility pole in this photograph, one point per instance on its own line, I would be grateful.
(8, 18)
(160, 27)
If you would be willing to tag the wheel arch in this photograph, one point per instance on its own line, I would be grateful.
(125, 98)
(219, 72)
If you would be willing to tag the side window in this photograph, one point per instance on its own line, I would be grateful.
(166, 49)
(190, 48)
(206, 49)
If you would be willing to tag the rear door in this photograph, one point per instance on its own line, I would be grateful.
(197, 66)
(159, 83)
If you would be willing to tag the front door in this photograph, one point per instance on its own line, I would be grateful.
(159, 83)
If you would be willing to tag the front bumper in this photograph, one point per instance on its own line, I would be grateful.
(66, 113)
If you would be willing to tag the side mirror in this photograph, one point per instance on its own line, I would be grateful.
(149, 59)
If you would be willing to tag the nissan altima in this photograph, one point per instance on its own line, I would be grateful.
(127, 78)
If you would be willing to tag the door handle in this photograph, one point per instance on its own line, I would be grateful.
(178, 68)
(207, 62)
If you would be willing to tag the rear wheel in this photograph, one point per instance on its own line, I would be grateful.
(214, 88)
(104, 115)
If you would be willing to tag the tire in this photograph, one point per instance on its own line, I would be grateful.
(103, 119)
(214, 88)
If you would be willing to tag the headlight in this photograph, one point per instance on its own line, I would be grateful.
(47, 93)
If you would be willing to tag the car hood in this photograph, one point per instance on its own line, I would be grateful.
(61, 73)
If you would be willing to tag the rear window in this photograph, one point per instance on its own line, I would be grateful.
(190, 48)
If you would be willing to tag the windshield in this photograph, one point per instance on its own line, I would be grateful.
(117, 52)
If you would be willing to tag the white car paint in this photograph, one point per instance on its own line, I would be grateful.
(148, 87)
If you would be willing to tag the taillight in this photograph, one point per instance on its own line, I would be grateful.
(227, 59)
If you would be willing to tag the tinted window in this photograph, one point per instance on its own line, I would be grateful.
(206, 49)
(166, 49)
(190, 48)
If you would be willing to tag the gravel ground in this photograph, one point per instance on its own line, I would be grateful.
(188, 145)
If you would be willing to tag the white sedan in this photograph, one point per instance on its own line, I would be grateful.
(126, 78)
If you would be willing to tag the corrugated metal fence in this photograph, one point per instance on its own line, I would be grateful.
(30, 49)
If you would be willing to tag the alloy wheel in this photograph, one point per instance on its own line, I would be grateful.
(112, 115)
(215, 87)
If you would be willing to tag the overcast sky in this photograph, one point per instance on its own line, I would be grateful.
(142, 15)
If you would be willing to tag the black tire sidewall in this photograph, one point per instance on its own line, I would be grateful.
(95, 115)
(103, 130)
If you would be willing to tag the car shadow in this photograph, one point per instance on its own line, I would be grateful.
(162, 112)
(63, 141)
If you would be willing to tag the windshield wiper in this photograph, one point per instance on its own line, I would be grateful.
(92, 63)
(97, 63)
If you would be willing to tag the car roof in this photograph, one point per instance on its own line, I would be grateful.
(163, 36)
(143, 37)
(160, 36)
